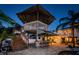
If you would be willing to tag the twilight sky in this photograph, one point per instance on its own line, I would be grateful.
(58, 10)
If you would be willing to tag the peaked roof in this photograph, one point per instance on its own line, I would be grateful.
(34, 13)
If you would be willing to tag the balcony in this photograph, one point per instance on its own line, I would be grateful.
(35, 25)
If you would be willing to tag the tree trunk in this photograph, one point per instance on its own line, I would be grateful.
(73, 39)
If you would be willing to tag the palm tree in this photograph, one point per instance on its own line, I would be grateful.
(3, 30)
(6, 32)
(70, 22)
(5, 18)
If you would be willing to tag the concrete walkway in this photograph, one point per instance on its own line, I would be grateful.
(54, 50)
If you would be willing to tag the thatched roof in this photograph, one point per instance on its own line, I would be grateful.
(34, 13)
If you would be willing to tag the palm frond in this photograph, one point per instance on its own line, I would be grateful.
(66, 19)
(3, 36)
(62, 26)
(77, 16)
(0, 24)
(57, 28)
(5, 18)
(71, 13)
(77, 27)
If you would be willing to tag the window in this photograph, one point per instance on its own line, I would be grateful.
(32, 36)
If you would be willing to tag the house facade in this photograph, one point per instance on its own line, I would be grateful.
(35, 28)
(64, 37)
(36, 20)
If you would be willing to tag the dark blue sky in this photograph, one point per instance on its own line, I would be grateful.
(58, 10)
